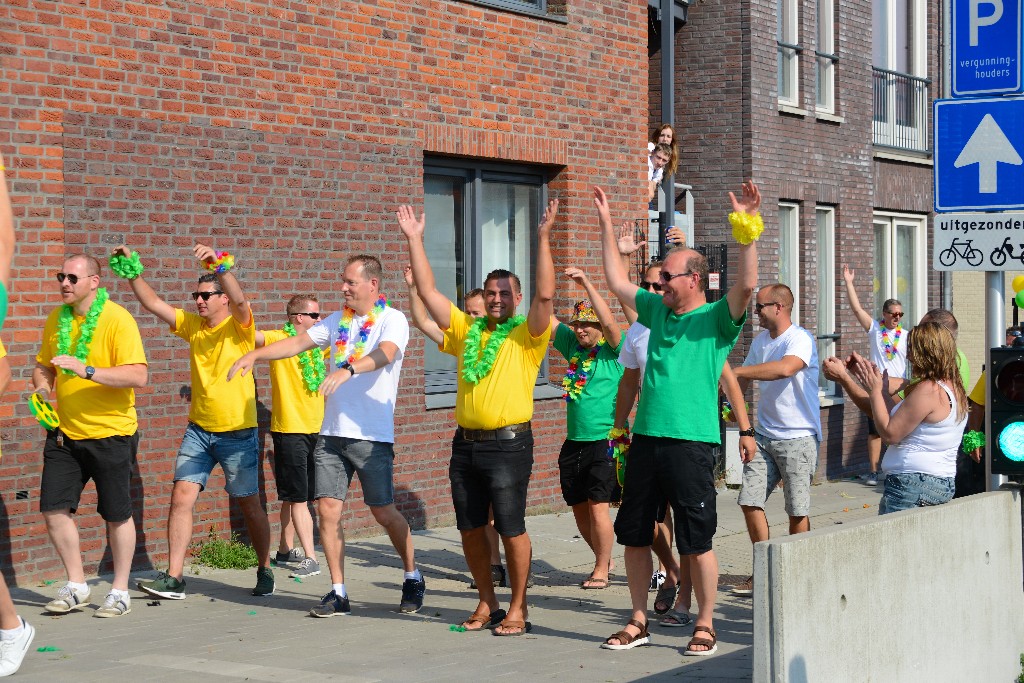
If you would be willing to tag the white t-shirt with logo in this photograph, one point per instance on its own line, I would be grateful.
(633, 353)
(897, 365)
(788, 408)
(364, 406)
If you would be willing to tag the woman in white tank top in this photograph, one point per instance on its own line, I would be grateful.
(924, 430)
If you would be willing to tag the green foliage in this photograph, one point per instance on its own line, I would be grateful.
(1020, 678)
(224, 554)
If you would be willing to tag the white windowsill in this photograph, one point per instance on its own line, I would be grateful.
(829, 401)
(908, 158)
(791, 109)
(825, 116)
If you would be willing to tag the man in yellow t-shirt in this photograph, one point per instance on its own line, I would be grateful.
(298, 413)
(92, 355)
(222, 418)
(492, 452)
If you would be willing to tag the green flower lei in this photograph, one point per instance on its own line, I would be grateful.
(125, 267)
(477, 364)
(88, 328)
(313, 373)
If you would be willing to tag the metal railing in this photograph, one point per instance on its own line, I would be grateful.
(901, 113)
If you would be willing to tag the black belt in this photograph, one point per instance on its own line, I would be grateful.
(500, 434)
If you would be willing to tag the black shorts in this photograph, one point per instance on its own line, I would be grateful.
(586, 472)
(70, 464)
(872, 429)
(293, 466)
(491, 474)
(674, 469)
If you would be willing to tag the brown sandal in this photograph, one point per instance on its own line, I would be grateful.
(626, 640)
(486, 621)
(522, 628)
(593, 583)
(710, 643)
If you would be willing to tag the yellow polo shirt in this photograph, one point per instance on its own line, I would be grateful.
(217, 404)
(297, 410)
(978, 392)
(505, 395)
(88, 410)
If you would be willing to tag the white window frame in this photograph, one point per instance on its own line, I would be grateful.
(884, 21)
(887, 281)
(788, 36)
(789, 251)
(825, 58)
(825, 221)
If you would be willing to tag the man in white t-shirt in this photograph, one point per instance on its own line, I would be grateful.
(888, 344)
(367, 341)
(784, 359)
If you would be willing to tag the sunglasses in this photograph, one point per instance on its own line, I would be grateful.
(895, 315)
(204, 295)
(651, 286)
(759, 307)
(70, 277)
(314, 316)
(668, 277)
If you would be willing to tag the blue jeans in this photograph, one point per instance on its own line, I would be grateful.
(237, 453)
(912, 490)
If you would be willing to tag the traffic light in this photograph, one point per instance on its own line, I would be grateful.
(1006, 410)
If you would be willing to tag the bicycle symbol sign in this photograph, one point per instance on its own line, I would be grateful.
(979, 241)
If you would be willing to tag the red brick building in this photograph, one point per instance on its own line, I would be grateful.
(827, 105)
(288, 134)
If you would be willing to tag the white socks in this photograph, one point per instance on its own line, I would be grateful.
(339, 588)
(414, 575)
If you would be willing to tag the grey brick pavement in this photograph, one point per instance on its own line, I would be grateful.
(222, 633)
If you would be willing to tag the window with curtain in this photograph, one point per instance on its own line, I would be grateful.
(899, 264)
(825, 217)
(789, 254)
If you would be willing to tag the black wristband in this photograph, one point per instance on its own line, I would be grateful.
(747, 432)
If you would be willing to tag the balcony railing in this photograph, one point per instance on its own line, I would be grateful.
(901, 111)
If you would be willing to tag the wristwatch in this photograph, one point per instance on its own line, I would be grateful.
(89, 371)
(348, 366)
(747, 432)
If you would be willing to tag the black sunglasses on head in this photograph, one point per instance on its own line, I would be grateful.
(314, 316)
(205, 295)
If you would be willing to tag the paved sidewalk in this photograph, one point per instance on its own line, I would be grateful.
(222, 633)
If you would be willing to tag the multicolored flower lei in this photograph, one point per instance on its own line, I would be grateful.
(477, 362)
(890, 345)
(579, 371)
(311, 364)
(344, 353)
(222, 264)
(618, 446)
(88, 328)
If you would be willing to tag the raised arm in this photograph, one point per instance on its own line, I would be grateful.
(851, 293)
(614, 271)
(420, 320)
(611, 329)
(627, 247)
(149, 299)
(240, 309)
(538, 320)
(746, 271)
(438, 305)
(6, 229)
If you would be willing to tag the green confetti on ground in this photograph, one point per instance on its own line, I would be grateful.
(252, 612)
(48, 648)
(49, 583)
(456, 628)
(297, 580)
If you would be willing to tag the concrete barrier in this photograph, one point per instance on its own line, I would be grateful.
(932, 594)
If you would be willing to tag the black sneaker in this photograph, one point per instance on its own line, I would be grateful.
(293, 556)
(331, 605)
(412, 595)
(264, 582)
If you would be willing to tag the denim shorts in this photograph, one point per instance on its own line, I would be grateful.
(791, 461)
(493, 473)
(907, 491)
(237, 452)
(337, 458)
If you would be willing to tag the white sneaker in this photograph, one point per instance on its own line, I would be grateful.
(657, 580)
(13, 651)
(68, 599)
(114, 606)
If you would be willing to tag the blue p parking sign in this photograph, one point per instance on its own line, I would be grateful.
(986, 47)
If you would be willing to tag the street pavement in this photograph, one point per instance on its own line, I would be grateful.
(221, 633)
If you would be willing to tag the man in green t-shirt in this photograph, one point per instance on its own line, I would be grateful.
(672, 451)
(590, 342)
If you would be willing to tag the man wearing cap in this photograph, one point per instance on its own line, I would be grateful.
(590, 342)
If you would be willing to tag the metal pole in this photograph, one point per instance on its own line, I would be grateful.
(995, 336)
(668, 107)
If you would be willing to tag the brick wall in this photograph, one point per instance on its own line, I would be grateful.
(288, 135)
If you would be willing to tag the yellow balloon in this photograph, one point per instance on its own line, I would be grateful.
(1018, 283)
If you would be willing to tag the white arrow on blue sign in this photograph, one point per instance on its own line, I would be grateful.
(978, 147)
(986, 47)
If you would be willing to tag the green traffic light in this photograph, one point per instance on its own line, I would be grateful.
(1011, 441)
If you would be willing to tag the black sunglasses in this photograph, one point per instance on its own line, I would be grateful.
(70, 277)
(759, 307)
(314, 316)
(205, 295)
(651, 286)
(665, 276)
(895, 315)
